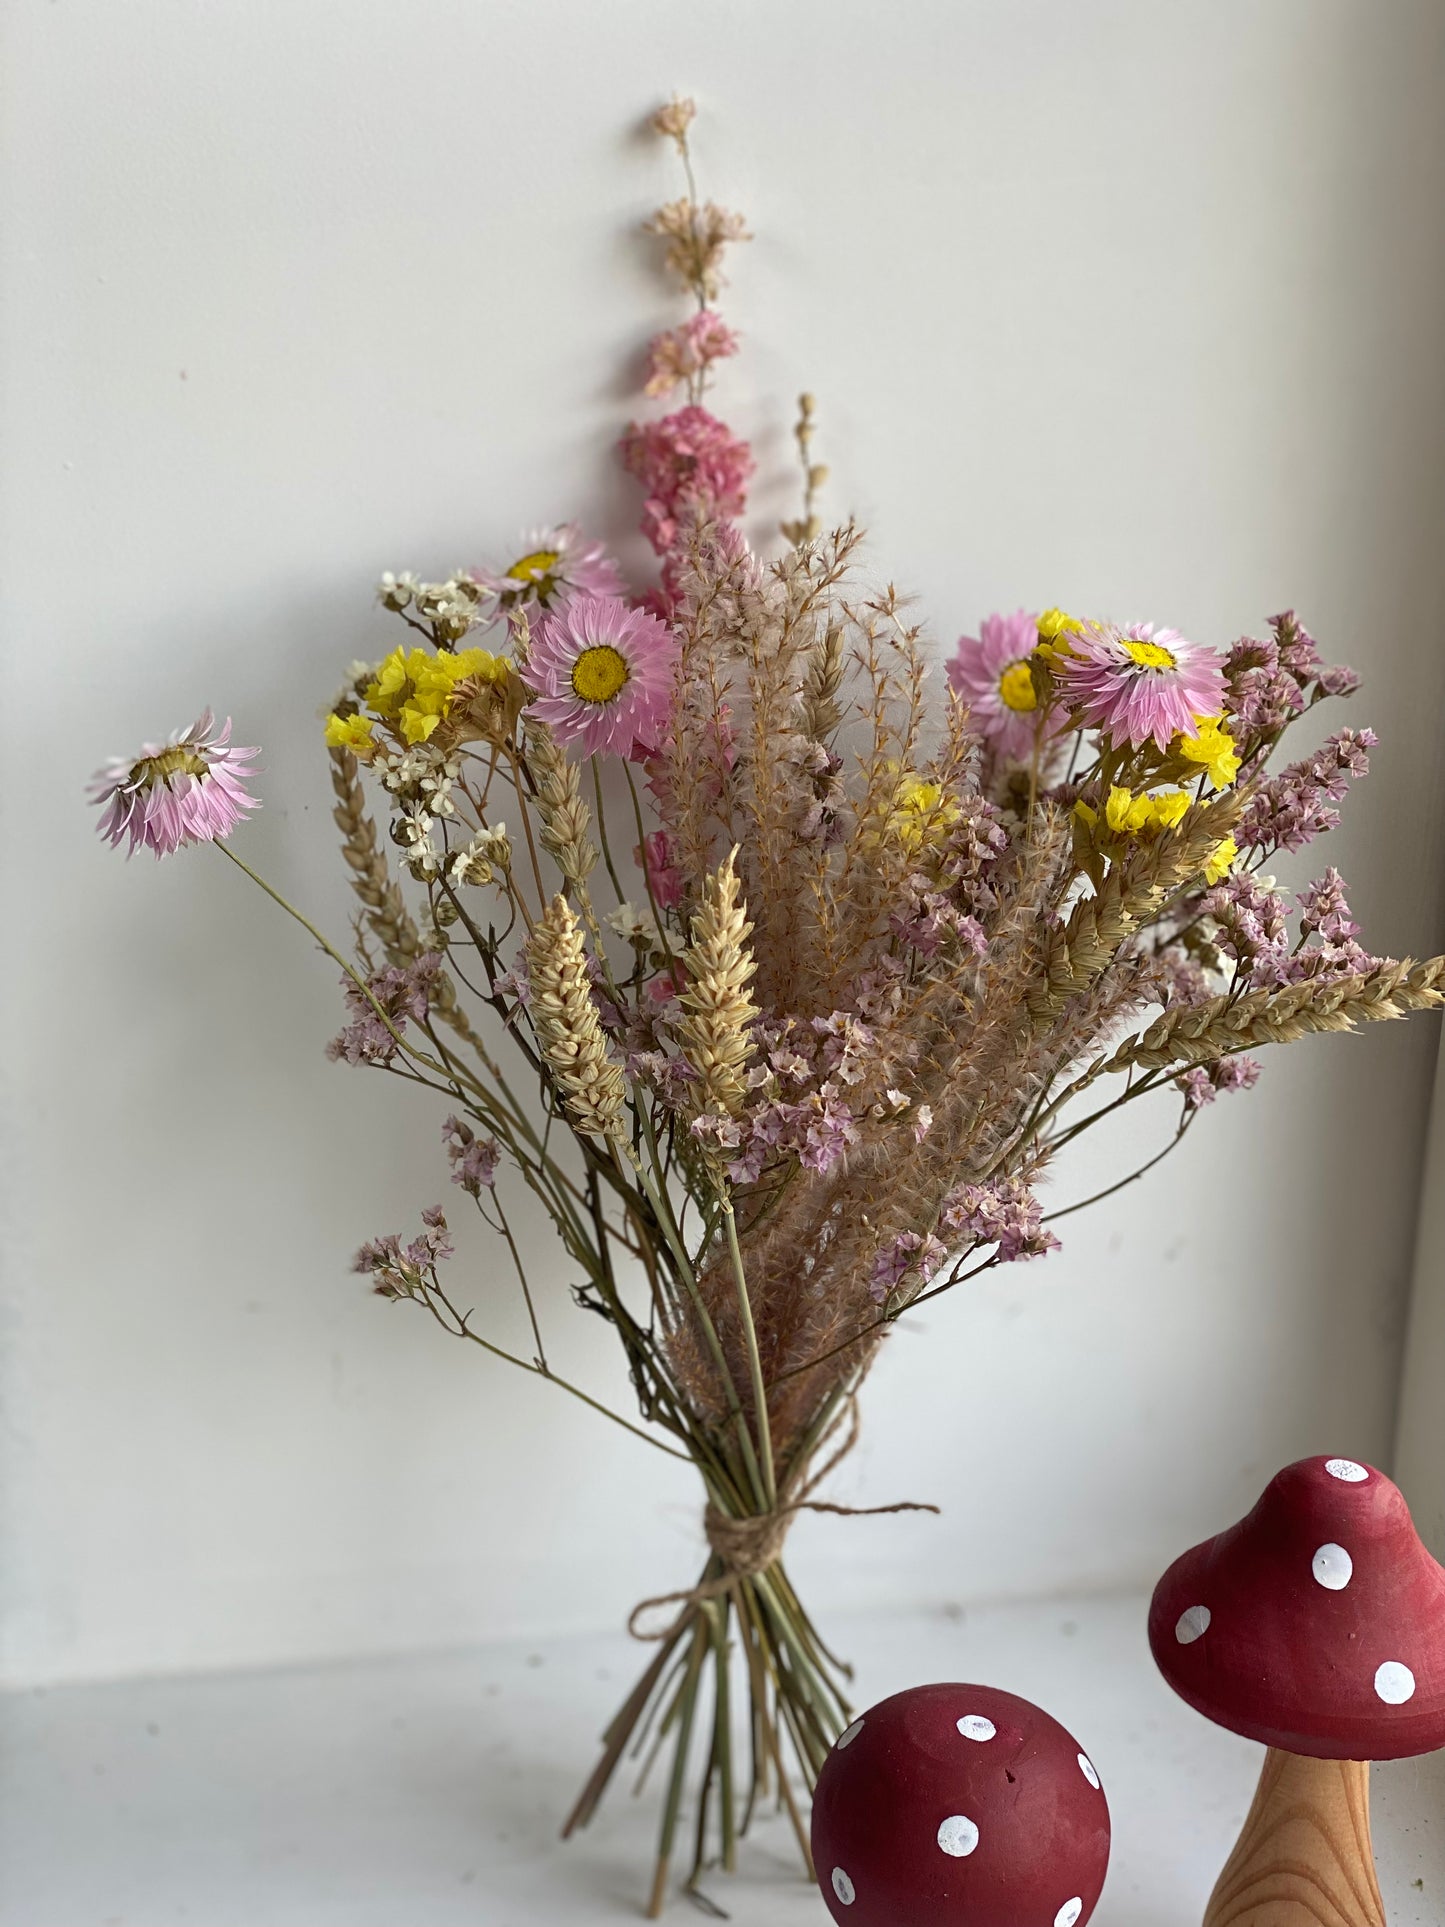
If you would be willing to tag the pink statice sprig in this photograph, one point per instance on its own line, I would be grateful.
(407, 1271)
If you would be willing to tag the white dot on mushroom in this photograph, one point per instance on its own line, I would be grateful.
(1394, 1683)
(1192, 1624)
(849, 1734)
(843, 1887)
(958, 1836)
(1346, 1470)
(1069, 1913)
(974, 1726)
(1333, 1567)
(1087, 1768)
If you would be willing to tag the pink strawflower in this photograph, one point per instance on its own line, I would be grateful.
(190, 789)
(1140, 682)
(550, 565)
(684, 354)
(990, 672)
(603, 673)
(692, 466)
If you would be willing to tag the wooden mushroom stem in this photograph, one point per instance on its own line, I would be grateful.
(1304, 1857)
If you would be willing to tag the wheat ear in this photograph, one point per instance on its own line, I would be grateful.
(566, 819)
(715, 1032)
(384, 908)
(1210, 1031)
(568, 1029)
(1079, 951)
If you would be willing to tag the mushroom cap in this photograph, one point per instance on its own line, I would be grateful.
(959, 1806)
(1315, 1625)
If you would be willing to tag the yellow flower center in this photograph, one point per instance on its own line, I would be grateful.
(1016, 687)
(1150, 655)
(599, 673)
(151, 770)
(532, 568)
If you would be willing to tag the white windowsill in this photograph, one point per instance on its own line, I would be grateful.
(426, 1792)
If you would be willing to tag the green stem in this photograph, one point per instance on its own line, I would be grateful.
(417, 1056)
(1132, 1178)
(463, 1330)
(686, 1709)
(755, 1363)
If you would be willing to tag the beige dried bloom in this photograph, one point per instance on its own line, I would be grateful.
(674, 118)
(715, 1032)
(696, 238)
(568, 1030)
(566, 819)
(488, 855)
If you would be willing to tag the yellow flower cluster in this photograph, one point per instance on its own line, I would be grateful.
(350, 732)
(1126, 814)
(1055, 628)
(1213, 748)
(1221, 861)
(923, 812)
(413, 689)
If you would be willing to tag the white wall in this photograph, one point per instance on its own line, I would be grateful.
(1131, 306)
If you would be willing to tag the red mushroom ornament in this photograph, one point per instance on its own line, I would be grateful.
(1316, 1625)
(959, 1806)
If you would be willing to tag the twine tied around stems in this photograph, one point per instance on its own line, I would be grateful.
(746, 1547)
(743, 1547)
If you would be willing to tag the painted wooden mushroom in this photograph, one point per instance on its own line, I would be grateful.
(1317, 1626)
(959, 1806)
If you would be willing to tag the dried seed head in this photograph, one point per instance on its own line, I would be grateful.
(565, 1020)
(566, 819)
(716, 1031)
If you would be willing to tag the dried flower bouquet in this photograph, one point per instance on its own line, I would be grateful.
(804, 976)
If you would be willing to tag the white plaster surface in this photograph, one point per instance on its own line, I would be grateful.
(426, 1792)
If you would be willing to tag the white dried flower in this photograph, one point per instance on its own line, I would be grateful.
(629, 922)
(396, 591)
(488, 854)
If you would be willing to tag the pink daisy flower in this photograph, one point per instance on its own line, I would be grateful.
(991, 673)
(550, 565)
(603, 673)
(1140, 682)
(190, 789)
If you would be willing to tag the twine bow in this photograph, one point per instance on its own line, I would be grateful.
(744, 1547)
